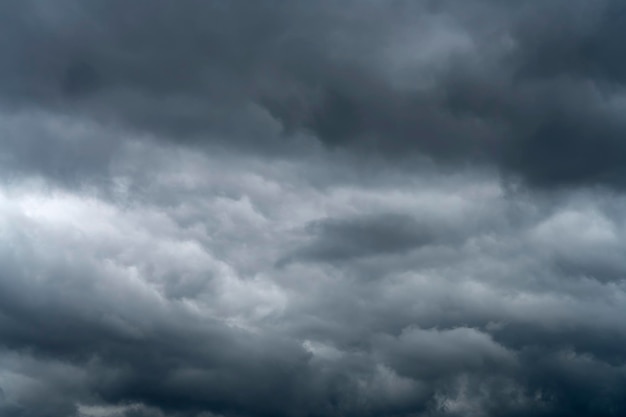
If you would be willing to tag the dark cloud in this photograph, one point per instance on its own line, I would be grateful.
(80, 78)
(534, 89)
(340, 240)
(148, 312)
(294, 208)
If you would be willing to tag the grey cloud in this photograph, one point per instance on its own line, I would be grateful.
(216, 209)
(65, 149)
(433, 353)
(339, 240)
(478, 82)
(152, 310)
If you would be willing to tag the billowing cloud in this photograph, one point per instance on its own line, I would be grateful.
(533, 89)
(374, 208)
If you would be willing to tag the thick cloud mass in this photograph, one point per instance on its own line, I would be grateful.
(309, 209)
(534, 88)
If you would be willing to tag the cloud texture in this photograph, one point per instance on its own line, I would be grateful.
(293, 208)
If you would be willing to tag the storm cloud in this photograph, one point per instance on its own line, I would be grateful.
(291, 208)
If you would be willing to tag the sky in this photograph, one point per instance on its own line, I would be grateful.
(290, 208)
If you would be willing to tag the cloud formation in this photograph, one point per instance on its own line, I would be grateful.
(373, 208)
(532, 89)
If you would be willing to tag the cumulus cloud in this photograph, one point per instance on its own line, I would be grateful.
(374, 208)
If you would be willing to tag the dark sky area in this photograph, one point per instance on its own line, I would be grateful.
(289, 208)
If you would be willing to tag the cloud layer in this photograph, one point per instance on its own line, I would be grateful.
(379, 208)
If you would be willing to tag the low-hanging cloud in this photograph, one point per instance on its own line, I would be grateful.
(373, 208)
(533, 89)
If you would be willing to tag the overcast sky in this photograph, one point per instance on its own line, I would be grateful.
(298, 208)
